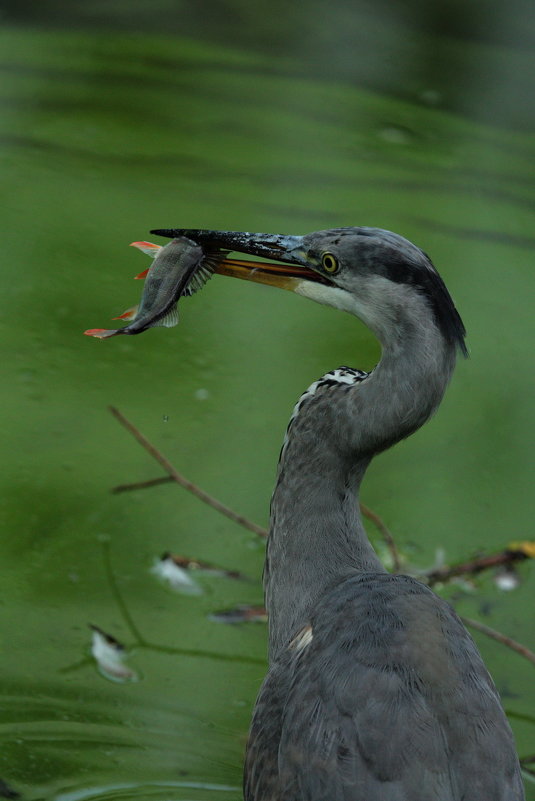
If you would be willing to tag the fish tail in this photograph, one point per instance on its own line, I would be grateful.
(102, 333)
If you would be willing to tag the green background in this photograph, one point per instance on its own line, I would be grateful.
(120, 117)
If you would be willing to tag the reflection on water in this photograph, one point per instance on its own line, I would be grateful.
(389, 117)
(451, 56)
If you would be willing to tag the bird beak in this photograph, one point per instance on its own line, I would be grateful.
(292, 269)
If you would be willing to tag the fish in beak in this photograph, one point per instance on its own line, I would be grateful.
(184, 265)
(293, 267)
(179, 268)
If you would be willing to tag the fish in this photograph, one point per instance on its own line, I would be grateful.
(179, 269)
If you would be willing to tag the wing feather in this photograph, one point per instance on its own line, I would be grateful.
(388, 701)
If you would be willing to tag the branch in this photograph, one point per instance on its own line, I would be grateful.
(499, 637)
(506, 557)
(440, 574)
(152, 482)
(515, 553)
(245, 613)
(175, 476)
(182, 481)
(386, 534)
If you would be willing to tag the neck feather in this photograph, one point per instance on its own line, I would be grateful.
(317, 537)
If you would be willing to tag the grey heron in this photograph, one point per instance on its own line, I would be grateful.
(375, 691)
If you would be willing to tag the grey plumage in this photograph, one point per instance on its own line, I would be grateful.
(390, 701)
(375, 691)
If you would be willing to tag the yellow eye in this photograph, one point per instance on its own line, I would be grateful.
(329, 263)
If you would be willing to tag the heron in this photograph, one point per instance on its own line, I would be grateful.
(375, 691)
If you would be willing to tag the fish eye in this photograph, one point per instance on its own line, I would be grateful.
(329, 263)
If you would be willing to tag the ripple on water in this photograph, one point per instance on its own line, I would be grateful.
(155, 791)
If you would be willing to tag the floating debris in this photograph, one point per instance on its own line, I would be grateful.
(507, 579)
(524, 547)
(505, 576)
(110, 656)
(175, 575)
(240, 614)
(203, 567)
(176, 570)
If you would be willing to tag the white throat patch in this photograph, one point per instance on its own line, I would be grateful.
(340, 376)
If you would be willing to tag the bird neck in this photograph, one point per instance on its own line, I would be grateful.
(317, 538)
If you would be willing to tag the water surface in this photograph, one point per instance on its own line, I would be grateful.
(121, 120)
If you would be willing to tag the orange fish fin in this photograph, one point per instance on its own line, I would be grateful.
(129, 314)
(147, 247)
(101, 333)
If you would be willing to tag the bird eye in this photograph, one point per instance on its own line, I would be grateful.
(329, 263)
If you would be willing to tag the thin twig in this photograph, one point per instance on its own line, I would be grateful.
(174, 475)
(431, 577)
(262, 532)
(499, 637)
(386, 534)
(152, 482)
(182, 481)
(474, 566)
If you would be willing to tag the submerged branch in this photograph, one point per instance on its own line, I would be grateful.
(499, 637)
(182, 480)
(510, 555)
(151, 482)
(474, 566)
(386, 534)
(178, 478)
(515, 553)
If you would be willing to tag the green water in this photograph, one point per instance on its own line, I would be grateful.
(122, 117)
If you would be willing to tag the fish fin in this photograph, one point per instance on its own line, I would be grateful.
(129, 314)
(198, 280)
(142, 274)
(102, 333)
(204, 272)
(147, 247)
(170, 319)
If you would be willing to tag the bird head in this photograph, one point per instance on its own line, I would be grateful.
(377, 275)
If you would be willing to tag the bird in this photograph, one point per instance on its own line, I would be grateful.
(375, 691)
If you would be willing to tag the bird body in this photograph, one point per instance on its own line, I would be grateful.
(367, 707)
(375, 691)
